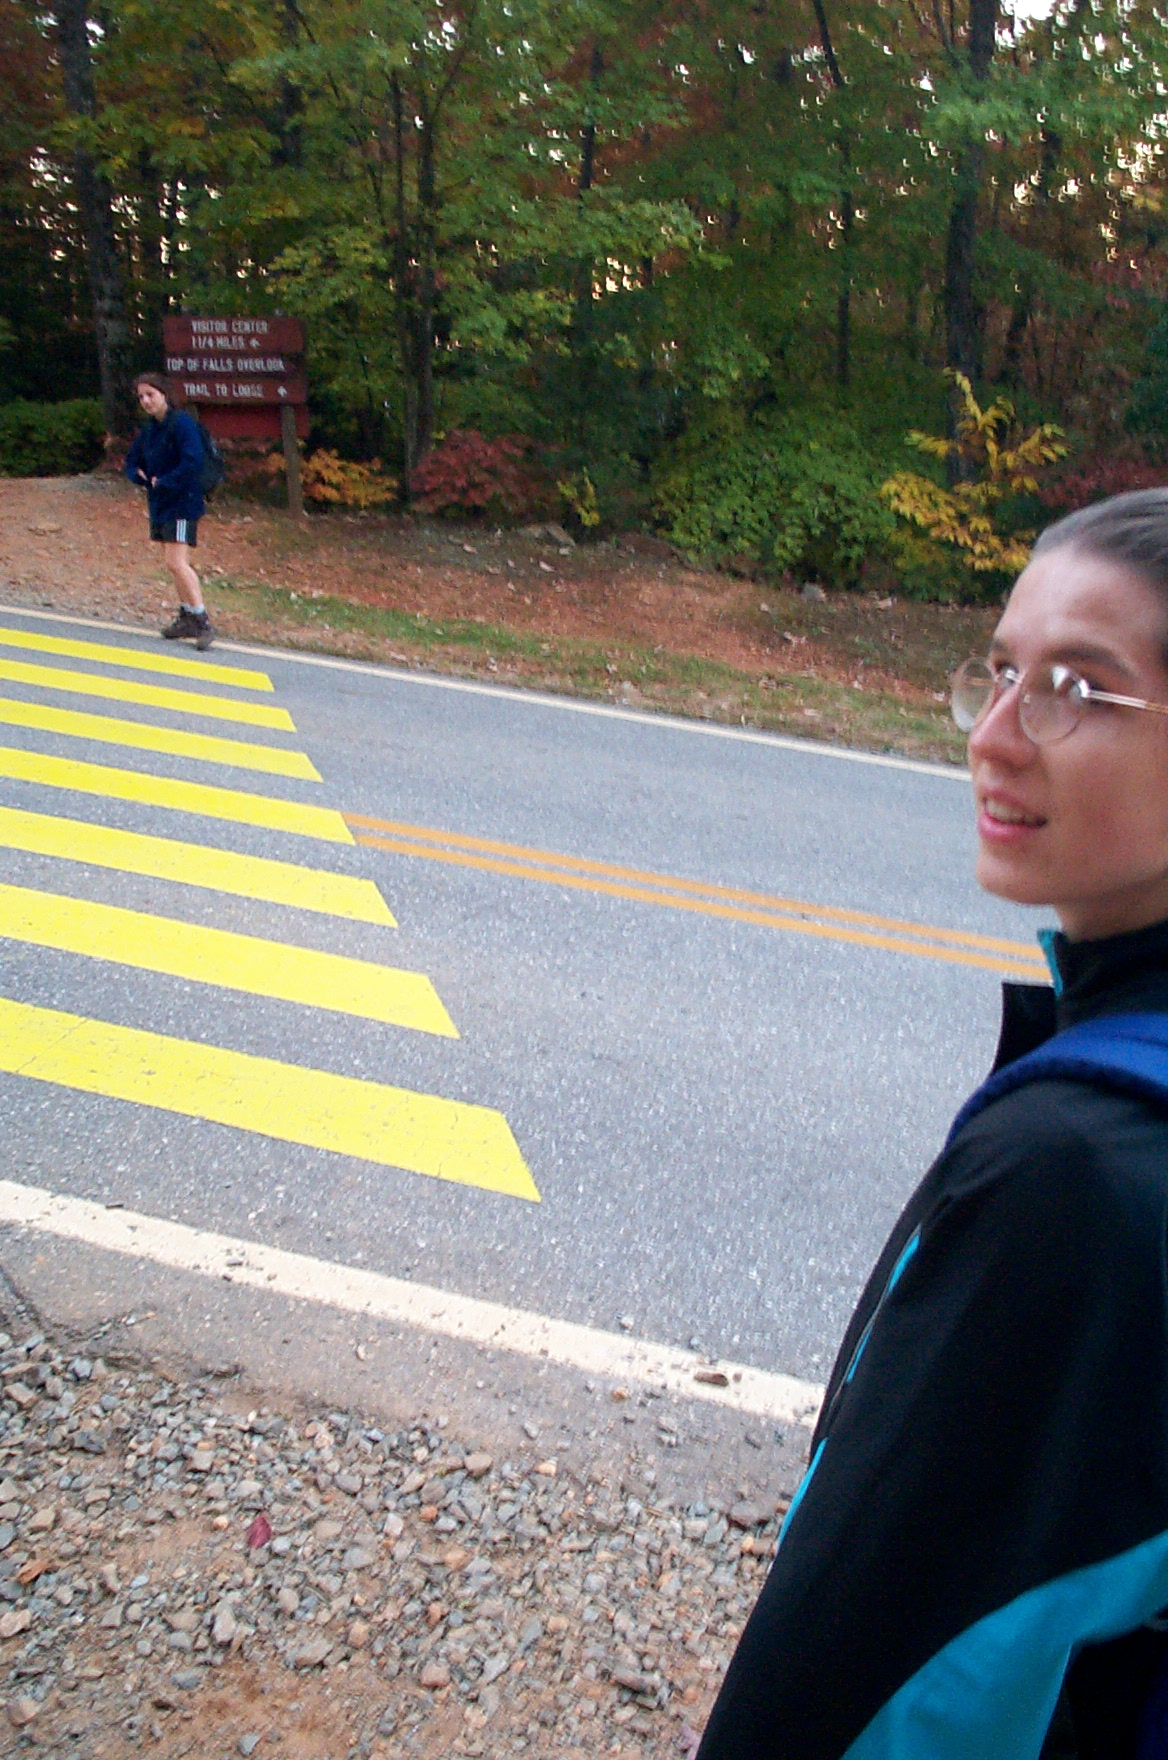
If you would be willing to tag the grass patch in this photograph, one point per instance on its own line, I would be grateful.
(637, 677)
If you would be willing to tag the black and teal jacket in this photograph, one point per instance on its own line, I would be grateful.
(975, 1562)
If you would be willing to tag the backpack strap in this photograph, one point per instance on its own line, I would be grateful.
(1127, 1053)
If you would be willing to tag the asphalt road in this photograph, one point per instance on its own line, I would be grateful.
(720, 1103)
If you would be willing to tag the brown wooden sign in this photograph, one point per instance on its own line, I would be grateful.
(213, 388)
(236, 360)
(246, 378)
(224, 363)
(233, 335)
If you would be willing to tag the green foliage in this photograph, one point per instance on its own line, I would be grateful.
(50, 439)
(615, 227)
(337, 280)
(794, 492)
(1147, 413)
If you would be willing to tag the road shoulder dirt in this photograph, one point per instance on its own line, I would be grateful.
(626, 621)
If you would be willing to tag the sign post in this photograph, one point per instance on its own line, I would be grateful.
(291, 460)
(245, 377)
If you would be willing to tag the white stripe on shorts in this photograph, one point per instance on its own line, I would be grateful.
(180, 531)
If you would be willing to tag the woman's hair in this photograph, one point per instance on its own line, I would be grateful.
(155, 379)
(1129, 530)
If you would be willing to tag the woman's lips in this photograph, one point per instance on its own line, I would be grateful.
(1005, 821)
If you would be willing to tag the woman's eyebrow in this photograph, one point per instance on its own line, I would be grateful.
(1088, 655)
(1075, 653)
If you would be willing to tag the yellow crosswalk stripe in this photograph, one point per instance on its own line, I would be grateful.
(194, 864)
(222, 957)
(206, 671)
(393, 1127)
(109, 730)
(183, 797)
(151, 696)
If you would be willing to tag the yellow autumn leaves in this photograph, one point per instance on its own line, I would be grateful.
(993, 461)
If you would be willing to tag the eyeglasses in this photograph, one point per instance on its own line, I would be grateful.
(1051, 699)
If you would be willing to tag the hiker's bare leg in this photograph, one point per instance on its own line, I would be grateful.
(178, 560)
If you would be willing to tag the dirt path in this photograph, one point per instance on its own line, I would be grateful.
(626, 619)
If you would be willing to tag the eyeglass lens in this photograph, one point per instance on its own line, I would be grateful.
(1050, 705)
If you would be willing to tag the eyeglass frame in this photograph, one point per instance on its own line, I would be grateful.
(1009, 678)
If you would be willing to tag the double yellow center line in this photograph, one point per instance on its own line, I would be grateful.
(797, 916)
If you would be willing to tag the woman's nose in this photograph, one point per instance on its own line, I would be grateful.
(999, 734)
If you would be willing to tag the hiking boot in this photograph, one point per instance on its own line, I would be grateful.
(185, 624)
(203, 633)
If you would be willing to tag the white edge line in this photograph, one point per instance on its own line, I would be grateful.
(537, 699)
(182, 1248)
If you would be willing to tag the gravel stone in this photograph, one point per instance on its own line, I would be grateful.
(312, 1654)
(565, 1613)
(749, 1515)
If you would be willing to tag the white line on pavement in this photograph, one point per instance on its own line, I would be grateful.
(539, 700)
(219, 1256)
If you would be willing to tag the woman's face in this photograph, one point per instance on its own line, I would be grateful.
(1080, 824)
(152, 400)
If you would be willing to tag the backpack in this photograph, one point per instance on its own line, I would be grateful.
(1124, 1052)
(214, 469)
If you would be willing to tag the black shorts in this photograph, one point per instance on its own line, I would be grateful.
(175, 531)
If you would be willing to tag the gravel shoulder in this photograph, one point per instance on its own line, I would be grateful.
(190, 1568)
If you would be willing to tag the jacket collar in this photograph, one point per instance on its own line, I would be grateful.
(1119, 975)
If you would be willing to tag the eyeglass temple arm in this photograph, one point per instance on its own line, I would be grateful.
(1128, 702)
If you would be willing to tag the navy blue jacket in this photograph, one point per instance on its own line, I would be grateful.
(986, 1514)
(171, 451)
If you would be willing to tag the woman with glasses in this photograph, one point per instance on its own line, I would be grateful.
(976, 1564)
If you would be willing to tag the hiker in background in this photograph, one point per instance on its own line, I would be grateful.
(976, 1564)
(167, 459)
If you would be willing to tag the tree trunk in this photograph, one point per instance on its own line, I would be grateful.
(1023, 308)
(914, 292)
(843, 308)
(427, 287)
(1011, 373)
(403, 303)
(962, 317)
(107, 279)
(152, 300)
(581, 339)
(289, 149)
